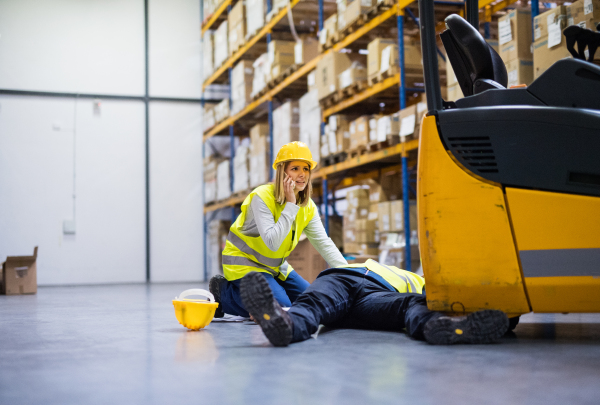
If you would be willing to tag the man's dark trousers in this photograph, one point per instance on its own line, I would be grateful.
(352, 299)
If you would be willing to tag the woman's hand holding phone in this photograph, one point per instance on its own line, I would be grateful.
(288, 188)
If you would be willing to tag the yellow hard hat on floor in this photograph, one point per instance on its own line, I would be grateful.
(295, 151)
(195, 314)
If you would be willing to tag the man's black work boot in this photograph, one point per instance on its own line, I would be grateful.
(214, 286)
(258, 300)
(485, 326)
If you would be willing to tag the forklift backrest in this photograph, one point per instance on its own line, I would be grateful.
(472, 58)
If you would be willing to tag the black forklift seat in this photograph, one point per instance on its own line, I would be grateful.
(477, 66)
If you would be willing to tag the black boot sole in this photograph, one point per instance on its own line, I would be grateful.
(485, 326)
(215, 289)
(258, 300)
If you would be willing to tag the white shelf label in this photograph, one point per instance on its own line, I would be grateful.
(505, 31)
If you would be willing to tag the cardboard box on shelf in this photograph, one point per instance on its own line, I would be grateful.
(542, 21)
(515, 35)
(241, 178)
(519, 72)
(236, 20)
(355, 73)
(221, 44)
(19, 274)
(388, 126)
(286, 124)
(544, 56)
(328, 70)
(397, 215)
(223, 181)
(305, 50)
(208, 117)
(241, 86)
(281, 52)
(311, 81)
(358, 199)
(306, 261)
(391, 184)
(310, 123)
(208, 56)
(210, 181)
(221, 110)
(255, 16)
(262, 73)
(259, 160)
(374, 49)
(410, 121)
(359, 131)
(352, 11)
(329, 31)
(338, 133)
(384, 220)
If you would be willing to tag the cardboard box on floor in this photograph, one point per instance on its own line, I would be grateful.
(542, 21)
(19, 274)
(515, 35)
(586, 13)
(306, 260)
(544, 57)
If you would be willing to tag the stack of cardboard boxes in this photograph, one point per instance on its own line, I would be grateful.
(359, 226)
(210, 178)
(237, 27)
(281, 56)
(310, 123)
(255, 16)
(550, 45)
(337, 135)
(410, 120)
(360, 130)
(515, 46)
(328, 70)
(208, 117)
(220, 45)
(348, 11)
(586, 14)
(286, 124)
(262, 74)
(305, 50)
(208, 60)
(221, 111)
(223, 181)
(241, 86)
(354, 74)
(241, 175)
(259, 155)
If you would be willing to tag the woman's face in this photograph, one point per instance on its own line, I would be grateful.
(298, 171)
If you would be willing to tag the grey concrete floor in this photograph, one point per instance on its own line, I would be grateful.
(123, 345)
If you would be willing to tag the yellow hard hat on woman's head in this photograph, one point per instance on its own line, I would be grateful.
(295, 151)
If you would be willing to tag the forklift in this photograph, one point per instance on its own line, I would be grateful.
(508, 187)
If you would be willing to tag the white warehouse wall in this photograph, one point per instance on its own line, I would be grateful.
(72, 46)
(174, 54)
(176, 214)
(97, 47)
(54, 148)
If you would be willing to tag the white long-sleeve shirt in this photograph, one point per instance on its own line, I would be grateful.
(260, 222)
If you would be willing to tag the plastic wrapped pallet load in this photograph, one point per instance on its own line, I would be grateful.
(255, 16)
(221, 45)
(240, 169)
(208, 55)
(262, 74)
(286, 124)
(310, 123)
(259, 155)
(237, 27)
(223, 181)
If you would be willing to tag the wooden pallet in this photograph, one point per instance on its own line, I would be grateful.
(361, 20)
(334, 159)
(381, 76)
(359, 150)
(330, 100)
(353, 89)
(391, 140)
(286, 73)
(240, 194)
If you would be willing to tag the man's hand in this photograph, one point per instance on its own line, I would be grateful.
(288, 189)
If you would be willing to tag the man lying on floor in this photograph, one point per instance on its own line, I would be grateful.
(365, 296)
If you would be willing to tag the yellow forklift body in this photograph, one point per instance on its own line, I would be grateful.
(467, 246)
(558, 238)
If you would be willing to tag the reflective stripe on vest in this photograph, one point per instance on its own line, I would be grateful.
(403, 281)
(243, 254)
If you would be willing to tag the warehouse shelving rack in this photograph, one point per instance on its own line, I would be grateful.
(354, 169)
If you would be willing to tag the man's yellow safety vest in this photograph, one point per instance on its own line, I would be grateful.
(402, 280)
(243, 254)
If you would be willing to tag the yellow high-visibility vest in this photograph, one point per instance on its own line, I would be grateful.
(243, 254)
(402, 280)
